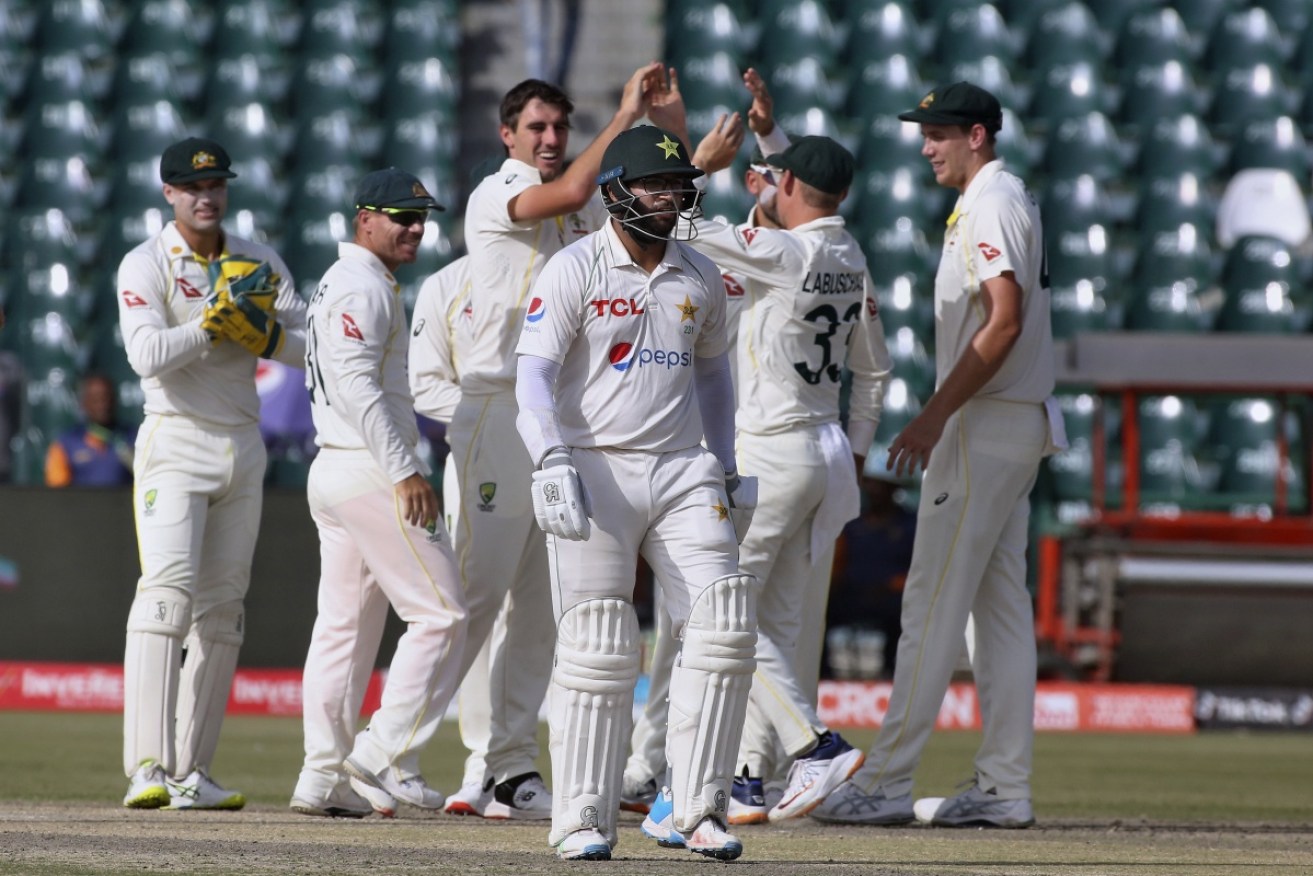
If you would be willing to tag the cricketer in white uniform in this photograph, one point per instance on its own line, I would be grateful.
(199, 471)
(979, 438)
(815, 316)
(623, 369)
(515, 220)
(381, 538)
(507, 669)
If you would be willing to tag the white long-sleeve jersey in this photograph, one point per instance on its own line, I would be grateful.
(356, 364)
(162, 287)
(506, 258)
(440, 336)
(815, 313)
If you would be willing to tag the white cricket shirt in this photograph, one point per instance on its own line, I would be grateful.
(356, 364)
(626, 341)
(995, 228)
(439, 339)
(505, 260)
(162, 287)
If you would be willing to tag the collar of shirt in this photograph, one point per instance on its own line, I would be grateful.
(620, 256)
(518, 167)
(822, 224)
(977, 185)
(179, 250)
(356, 252)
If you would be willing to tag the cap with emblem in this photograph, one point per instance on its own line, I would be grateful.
(645, 151)
(820, 162)
(194, 159)
(393, 189)
(958, 104)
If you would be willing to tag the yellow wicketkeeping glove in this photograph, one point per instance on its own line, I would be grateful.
(242, 310)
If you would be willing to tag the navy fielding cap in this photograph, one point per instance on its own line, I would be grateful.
(395, 189)
(958, 104)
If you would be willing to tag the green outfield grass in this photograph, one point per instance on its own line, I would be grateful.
(1108, 805)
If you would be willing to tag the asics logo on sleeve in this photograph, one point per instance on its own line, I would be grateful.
(537, 310)
(624, 354)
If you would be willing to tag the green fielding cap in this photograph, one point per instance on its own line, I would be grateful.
(645, 151)
(958, 104)
(820, 162)
(193, 160)
(395, 188)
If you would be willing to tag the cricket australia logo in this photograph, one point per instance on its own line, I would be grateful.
(486, 493)
(434, 534)
(149, 509)
(588, 817)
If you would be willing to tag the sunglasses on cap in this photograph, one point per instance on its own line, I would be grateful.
(768, 173)
(401, 215)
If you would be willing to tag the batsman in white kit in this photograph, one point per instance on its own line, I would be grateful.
(381, 537)
(622, 371)
(197, 307)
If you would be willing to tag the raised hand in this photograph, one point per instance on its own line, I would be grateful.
(718, 149)
(761, 118)
(665, 107)
(634, 99)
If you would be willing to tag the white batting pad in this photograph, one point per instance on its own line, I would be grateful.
(156, 624)
(590, 711)
(709, 696)
(207, 676)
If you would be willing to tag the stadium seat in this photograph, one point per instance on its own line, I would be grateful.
(1065, 33)
(1069, 90)
(881, 29)
(418, 29)
(1171, 146)
(65, 129)
(243, 80)
(1291, 16)
(49, 347)
(1080, 308)
(1200, 16)
(815, 120)
(422, 86)
(1171, 430)
(1079, 253)
(901, 250)
(1258, 277)
(884, 87)
(883, 200)
(1255, 261)
(265, 29)
(1250, 94)
(907, 301)
(1244, 38)
(1169, 203)
(142, 131)
(992, 73)
(173, 29)
(1151, 35)
(972, 32)
(259, 188)
(87, 27)
(726, 199)
(801, 85)
(1274, 142)
(159, 76)
(67, 184)
(700, 30)
(1173, 307)
(711, 86)
(1153, 92)
(328, 83)
(1075, 204)
(1243, 438)
(911, 360)
(310, 242)
(889, 144)
(1083, 145)
(1263, 202)
(344, 136)
(340, 27)
(795, 29)
(1072, 470)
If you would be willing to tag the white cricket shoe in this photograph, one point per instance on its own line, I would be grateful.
(849, 804)
(636, 796)
(975, 808)
(774, 792)
(709, 837)
(659, 824)
(147, 788)
(584, 845)
(813, 776)
(199, 791)
(472, 799)
(341, 803)
(385, 790)
(523, 798)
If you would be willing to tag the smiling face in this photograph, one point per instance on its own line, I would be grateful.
(393, 237)
(540, 137)
(955, 152)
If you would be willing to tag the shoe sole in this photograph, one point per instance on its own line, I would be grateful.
(985, 822)
(722, 853)
(780, 813)
(327, 811)
(501, 812)
(590, 854)
(827, 818)
(154, 798)
(460, 807)
(757, 817)
(225, 806)
(369, 780)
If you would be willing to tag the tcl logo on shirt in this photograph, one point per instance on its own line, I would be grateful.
(616, 307)
(989, 251)
(132, 299)
(350, 329)
(733, 288)
(188, 290)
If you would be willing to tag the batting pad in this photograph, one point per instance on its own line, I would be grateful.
(709, 696)
(590, 712)
(156, 624)
(207, 676)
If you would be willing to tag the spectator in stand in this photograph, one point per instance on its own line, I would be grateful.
(96, 453)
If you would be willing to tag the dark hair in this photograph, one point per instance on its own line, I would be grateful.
(518, 98)
(991, 131)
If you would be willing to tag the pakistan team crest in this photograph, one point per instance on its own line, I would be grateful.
(487, 491)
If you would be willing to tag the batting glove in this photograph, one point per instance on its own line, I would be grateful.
(559, 502)
(742, 502)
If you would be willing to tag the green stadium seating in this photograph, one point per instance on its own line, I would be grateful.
(146, 78)
(800, 85)
(1256, 93)
(1150, 35)
(901, 405)
(49, 347)
(250, 131)
(1170, 202)
(1175, 145)
(1069, 90)
(889, 144)
(418, 29)
(342, 136)
(884, 200)
(881, 29)
(1080, 308)
(701, 30)
(1244, 38)
(243, 80)
(1064, 33)
(1200, 16)
(1272, 142)
(264, 29)
(340, 27)
(323, 85)
(142, 130)
(972, 32)
(1152, 92)
(87, 27)
(1291, 16)
(907, 301)
(912, 361)
(712, 82)
(792, 30)
(991, 73)
(1075, 204)
(1086, 144)
(422, 87)
(884, 87)
(173, 29)
(1079, 253)
(68, 184)
(1258, 277)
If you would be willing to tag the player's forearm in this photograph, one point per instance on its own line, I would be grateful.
(435, 397)
(537, 422)
(715, 389)
(362, 403)
(155, 351)
(982, 359)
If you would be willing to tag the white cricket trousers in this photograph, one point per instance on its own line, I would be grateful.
(371, 557)
(792, 479)
(502, 558)
(197, 496)
(969, 558)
